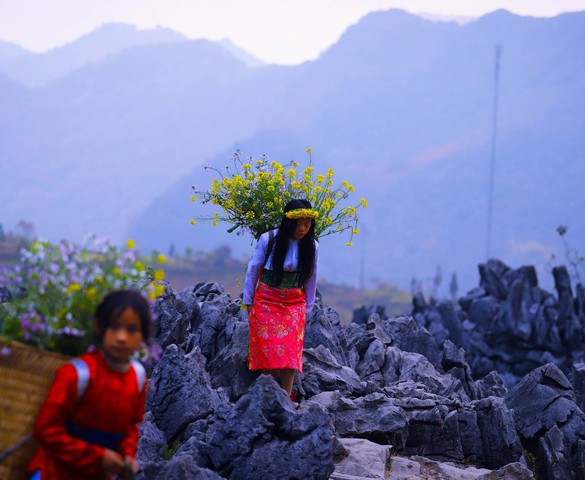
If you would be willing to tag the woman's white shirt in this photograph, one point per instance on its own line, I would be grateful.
(291, 264)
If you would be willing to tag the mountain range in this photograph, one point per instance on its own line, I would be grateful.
(108, 134)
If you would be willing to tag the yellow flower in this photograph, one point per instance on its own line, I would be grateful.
(74, 287)
(192, 221)
(159, 290)
(363, 202)
(320, 178)
(116, 271)
(161, 258)
(246, 166)
(351, 210)
(152, 295)
(131, 244)
(328, 204)
(193, 199)
(309, 150)
(330, 172)
(91, 294)
(355, 231)
(292, 173)
(139, 266)
(348, 186)
(349, 244)
(159, 275)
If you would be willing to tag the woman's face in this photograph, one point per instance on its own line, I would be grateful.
(303, 227)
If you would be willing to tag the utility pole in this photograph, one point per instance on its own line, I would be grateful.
(362, 260)
(493, 153)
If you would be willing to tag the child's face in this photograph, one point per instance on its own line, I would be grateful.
(123, 336)
(303, 227)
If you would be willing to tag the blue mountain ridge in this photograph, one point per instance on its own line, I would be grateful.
(400, 106)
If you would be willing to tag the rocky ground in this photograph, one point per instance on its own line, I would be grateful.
(379, 398)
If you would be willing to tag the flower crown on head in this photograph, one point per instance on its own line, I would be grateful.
(302, 213)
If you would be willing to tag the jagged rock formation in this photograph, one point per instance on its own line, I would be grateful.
(386, 380)
(509, 324)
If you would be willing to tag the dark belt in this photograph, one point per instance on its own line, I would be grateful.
(95, 437)
(289, 279)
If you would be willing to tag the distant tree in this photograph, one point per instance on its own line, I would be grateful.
(220, 256)
(172, 250)
(26, 229)
(188, 253)
(454, 287)
(574, 260)
(414, 286)
(437, 280)
(2, 234)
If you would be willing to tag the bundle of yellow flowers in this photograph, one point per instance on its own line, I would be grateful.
(252, 193)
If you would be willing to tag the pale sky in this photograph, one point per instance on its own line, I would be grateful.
(275, 31)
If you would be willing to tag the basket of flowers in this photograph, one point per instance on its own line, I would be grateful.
(47, 300)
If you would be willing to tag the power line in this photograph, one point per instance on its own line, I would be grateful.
(493, 153)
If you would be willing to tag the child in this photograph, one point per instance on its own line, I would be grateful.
(88, 426)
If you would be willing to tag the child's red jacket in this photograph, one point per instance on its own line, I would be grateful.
(112, 403)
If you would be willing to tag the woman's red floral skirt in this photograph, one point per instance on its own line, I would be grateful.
(277, 329)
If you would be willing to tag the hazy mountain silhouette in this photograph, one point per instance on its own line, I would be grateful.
(10, 51)
(400, 106)
(39, 69)
(249, 59)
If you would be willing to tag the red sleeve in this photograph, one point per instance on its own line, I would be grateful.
(129, 442)
(51, 432)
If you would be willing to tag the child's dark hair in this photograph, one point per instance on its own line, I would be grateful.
(115, 303)
(306, 245)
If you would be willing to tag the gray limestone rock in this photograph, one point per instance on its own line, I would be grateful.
(176, 316)
(150, 441)
(373, 417)
(321, 372)
(549, 421)
(262, 436)
(180, 391)
(512, 471)
(180, 467)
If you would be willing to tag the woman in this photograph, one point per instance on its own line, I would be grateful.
(279, 291)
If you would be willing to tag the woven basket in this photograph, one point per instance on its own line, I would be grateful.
(26, 374)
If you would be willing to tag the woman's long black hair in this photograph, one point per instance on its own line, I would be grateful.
(306, 245)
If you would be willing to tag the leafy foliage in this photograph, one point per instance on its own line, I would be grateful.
(53, 291)
(252, 195)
